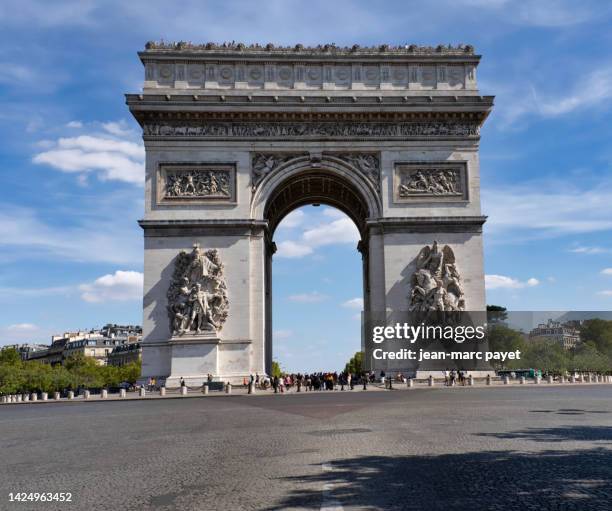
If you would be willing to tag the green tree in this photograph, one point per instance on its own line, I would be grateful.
(496, 313)
(130, 372)
(544, 354)
(598, 332)
(276, 369)
(11, 379)
(10, 356)
(355, 364)
(588, 358)
(84, 371)
(502, 338)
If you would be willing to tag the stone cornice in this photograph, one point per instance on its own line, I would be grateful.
(433, 224)
(235, 227)
(182, 112)
(299, 50)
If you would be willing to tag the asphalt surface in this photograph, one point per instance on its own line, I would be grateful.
(496, 448)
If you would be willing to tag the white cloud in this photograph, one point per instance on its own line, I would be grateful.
(589, 250)
(74, 124)
(606, 271)
(293, 219)
(550, 208)
(119, 129)
(338, 231)
(590, 91)
(108, 154)
(292, 249)
(333, 213)
(282, 334)
(342, 230)
(312, 297)
(354, 303)
(22, 327)
(24, 235)
(503, 282)
(607, 292)
(10, 293)
(119, 286)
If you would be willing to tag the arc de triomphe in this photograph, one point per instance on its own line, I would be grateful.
(238, 136)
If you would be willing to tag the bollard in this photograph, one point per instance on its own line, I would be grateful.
(582, 378)
(522, 380)
(573, 378)
(550, 378)
(56, 396)
(590, 378)
(561, 379)
(12, 398)
(537, 380)
(228, 388)
(410, 383)
(471, 381)
(162, 391)
(122, 393)
(70, 394)
(252, 388)
(34, 396)
(506, 380)
(488, 379)
(19, 398)
(206, 389)
(184, 390)
(431, 380)
(104, 394)
(44, 396)
(142, 392)
(4, 399)
(86, 394)
(25, 397)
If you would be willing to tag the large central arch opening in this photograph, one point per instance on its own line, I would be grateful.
(318, 284)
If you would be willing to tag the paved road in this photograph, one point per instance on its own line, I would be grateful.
(518, 448)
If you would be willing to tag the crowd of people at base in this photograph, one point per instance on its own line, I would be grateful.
(455, 377)
(312, 382)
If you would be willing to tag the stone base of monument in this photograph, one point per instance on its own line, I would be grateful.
(193, 357)
(422, 375)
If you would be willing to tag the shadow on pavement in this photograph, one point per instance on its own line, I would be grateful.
(558, 434)
(579, 480)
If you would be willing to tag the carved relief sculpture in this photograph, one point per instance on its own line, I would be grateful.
(431, 181)
(312, 129)
(265, 163)
(197, 296)
(436, 283)
(197, 183)
(366, 163)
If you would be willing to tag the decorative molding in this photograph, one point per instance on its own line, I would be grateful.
(195, 182)
(321, 49)
(436, 283)
(197, 295)
(430, 181)
(316, 130)
(263, 164)
(427, 224)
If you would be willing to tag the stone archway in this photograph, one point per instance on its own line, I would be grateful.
(236, 137)
(302, 182)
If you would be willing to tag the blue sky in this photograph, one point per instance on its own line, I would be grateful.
(71, 176)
